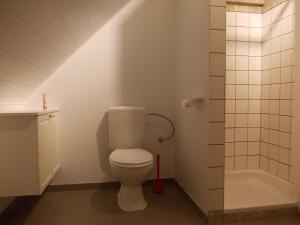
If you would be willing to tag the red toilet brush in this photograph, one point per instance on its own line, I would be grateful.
(158, 185)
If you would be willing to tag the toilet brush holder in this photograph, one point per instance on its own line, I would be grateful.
(158, 184)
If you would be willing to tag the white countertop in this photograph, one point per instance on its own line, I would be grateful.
(27, 112)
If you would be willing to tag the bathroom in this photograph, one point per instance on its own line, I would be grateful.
(74, 60)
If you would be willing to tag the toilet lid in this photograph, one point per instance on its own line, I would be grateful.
(131, 156)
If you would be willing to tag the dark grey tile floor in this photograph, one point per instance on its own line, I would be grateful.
(285, 220)
(99, 207)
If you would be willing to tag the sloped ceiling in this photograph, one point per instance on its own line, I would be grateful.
(37, 36)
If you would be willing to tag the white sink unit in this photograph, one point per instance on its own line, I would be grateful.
(29, 151)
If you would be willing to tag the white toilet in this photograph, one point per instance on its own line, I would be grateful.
(129, 162)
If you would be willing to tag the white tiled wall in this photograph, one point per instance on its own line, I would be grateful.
(243, 90)
(259, 90)
(277, 97)
(217, 105)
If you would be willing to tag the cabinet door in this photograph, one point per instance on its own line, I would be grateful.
(48, 148)
(19, 156)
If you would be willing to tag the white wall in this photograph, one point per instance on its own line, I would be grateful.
(130, 60)
(192, 74)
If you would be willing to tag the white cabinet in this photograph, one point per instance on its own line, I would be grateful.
(29, 156)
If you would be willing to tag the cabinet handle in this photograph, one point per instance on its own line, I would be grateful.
(51, 116)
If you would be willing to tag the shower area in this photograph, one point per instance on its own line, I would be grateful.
(259, 105)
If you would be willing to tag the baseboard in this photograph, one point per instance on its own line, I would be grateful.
(85, 186)
(113, 184)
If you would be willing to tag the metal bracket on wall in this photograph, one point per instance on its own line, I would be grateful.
(163, 139)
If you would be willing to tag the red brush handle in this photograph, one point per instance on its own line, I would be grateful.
(158, 165)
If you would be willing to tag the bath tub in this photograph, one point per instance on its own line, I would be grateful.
(247, 190)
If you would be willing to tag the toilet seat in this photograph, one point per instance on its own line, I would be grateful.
(131, 157)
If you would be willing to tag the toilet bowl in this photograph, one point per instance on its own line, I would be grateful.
(129, 162)
(131, 167)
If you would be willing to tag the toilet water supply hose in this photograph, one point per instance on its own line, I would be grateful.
(158, 185)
